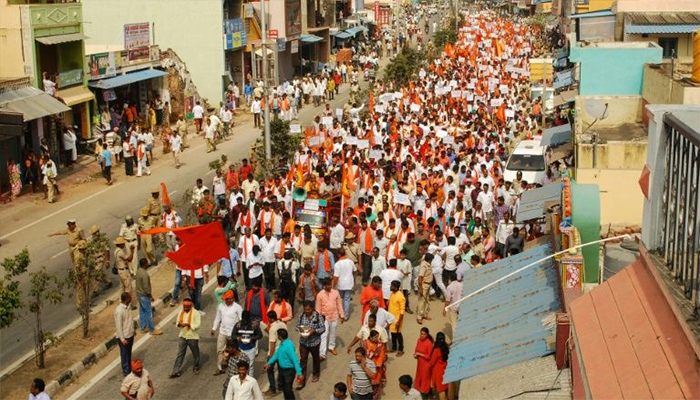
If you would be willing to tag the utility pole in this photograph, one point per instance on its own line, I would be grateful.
(266, 96)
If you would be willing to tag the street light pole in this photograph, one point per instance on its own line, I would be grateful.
(266, 96)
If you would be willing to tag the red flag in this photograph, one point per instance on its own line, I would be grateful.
(201, 245)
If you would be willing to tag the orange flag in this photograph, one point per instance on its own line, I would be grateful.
(166, 198)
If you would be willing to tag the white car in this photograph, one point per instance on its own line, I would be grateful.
(528, 158)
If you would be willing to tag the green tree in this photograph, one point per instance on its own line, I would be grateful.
(444, 36)
(403, 67)
(44, 288)
(283, 145)
(88, 275)
(10, 293)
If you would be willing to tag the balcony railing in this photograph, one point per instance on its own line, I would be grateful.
(680, 206)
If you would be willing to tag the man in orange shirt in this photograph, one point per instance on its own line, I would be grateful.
(371, 292)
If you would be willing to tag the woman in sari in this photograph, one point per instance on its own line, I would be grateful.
(15, 177)
(422, 352)
(376, 351)
(438, 363)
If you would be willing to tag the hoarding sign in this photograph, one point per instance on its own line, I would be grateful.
(101, 65)
(292, 21)
(137, 35)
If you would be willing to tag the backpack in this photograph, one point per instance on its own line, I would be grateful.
(286, 271)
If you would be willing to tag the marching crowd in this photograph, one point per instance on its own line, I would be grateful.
(420, 177)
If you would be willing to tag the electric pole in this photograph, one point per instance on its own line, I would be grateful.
(266, 96)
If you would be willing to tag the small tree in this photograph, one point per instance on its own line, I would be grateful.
(44, 289)
(88, 274)
(283, 145)
(404, 66)
(10, 293)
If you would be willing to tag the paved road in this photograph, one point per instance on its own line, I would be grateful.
(27, 224)
(158, 354)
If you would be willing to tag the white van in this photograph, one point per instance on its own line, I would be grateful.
(529, 158)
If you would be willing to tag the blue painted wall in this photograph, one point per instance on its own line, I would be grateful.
(613, 70)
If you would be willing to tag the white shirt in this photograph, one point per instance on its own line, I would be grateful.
(245, 246)
(198, 111)
(227, 317)
(384, 318)
(254, 265)
(389, 275)
(486, 200)
(343, 270)
(267, 249)
(337, 236)
(40, 396)
(247, 389)
(450, 253)
(197, 272)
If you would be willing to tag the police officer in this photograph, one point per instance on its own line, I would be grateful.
(75, 235)
(154, 209)
(130, 233)
(123, 256)
(146, 241)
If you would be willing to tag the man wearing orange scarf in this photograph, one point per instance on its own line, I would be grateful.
(366, 243)
(257, 301)
(323, 264)
(189, 321)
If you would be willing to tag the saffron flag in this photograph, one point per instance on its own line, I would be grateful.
(166, 198)
(201, 245)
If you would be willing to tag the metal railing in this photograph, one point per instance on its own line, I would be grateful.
(680, 239)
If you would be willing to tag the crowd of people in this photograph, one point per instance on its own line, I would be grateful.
(424, 201)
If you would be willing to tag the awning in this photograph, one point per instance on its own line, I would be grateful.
(311, 39)
(342, 35)
(126, 79)
(508, 323)
(10, 125)
(593, 14)
(662, 22)
(31, 102)
(355, 30)
(556, 135)
(75, 95)
(565, 97)
(560, 83)
(56, 39)
(658, 29)
(532, 201)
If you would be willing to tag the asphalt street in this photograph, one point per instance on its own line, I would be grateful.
(28, 224)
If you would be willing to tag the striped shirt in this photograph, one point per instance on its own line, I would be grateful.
(361, 383)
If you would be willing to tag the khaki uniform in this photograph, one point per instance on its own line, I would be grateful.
(154, 211)
(74, 236)
(181, 127)
(352, 252)
(120, 256)
(130, 234)
(102, 259)
(146, 241)
(426, 272)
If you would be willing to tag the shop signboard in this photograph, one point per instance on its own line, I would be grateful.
(139, 54)
(376, 11)
(101, 65)
(137, 35)
(294, 46)
(235, 35)
(292, 21)
(249, 10)
(70, 78)
(281, 44)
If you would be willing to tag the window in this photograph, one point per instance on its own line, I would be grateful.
(526, 162)
(669, 46)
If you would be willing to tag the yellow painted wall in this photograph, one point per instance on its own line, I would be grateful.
(596, 5)
(659, 89)
(685, 43)
(613, 155)
(11, 60)
(621, 199)
(621, 110)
